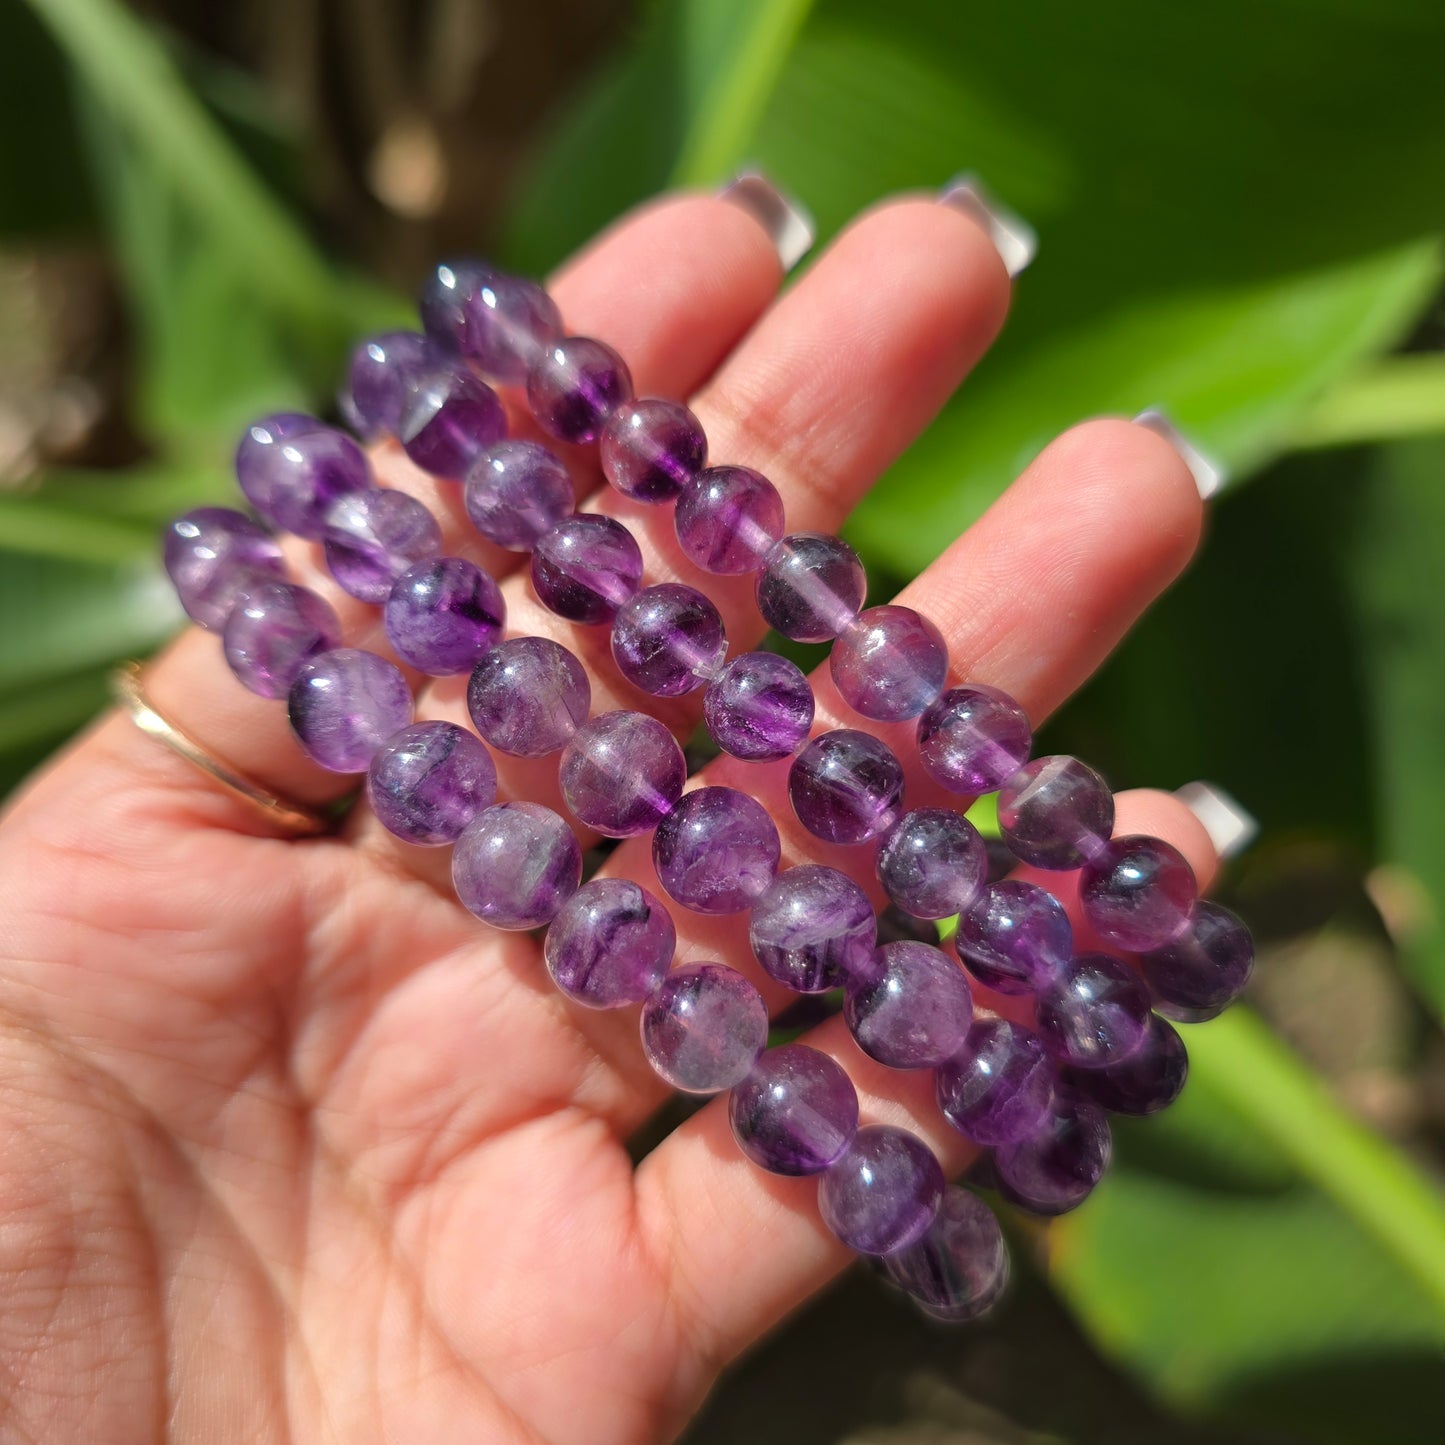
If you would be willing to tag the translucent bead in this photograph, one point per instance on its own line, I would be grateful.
(505, 322)
(448, 419)
(1054, 1169)
(997, 1087)
(428, 781)
(381, 371)
(651, 449)
(1147, 1081)
(292, 468)
(1137, 892)
(931, 863)
(1199, 974)
(575, 385)
(1016, 938)
(443, 298)
(846, 786)
(915, 1009)
(586, 567)
(759, 707)
(610, 944)
(796, 1113)
(273, 631)
(442, 615)
(716, 851)
(811, 587)
(728, 519)
(211, 554)
(890, 663)
(622, 773)
(973, 739)
(960, 1267)
(812, 928)
(1055, 813)
(527, 696)
(344, 705)
(515, 492)
(515, 865)
(884, 1193)
(373, 537)
(668, 640)
(704, 1028)
(1094, 1013)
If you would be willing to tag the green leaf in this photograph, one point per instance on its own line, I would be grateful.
(1399, 397)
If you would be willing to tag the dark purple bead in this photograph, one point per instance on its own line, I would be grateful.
(997, 1087)
(1094, 1013)
(884, 1193)
(704, 1028)
(373, 537)
(515, 865)
(1016, 937)
(586, 567)
(273, 631)
(505, 322)
(575, 385)
(716, 851)
(759, 707)
(211, 554)
(610, 944)
(1054, 1169)
(796, 1113)
(846, 786)
(292, 468)
(972, 739)
(1146, 1082)
(515, 492)
(1199, 974)
(381, 371)
(443, 615)
(428, 781)
(1137, 892)
(960, 1267)
(448, 419)
(527, 696)
(668, 640)
(931, 863)
(890, 663)
(651, 449)
(915, 1009)
(442, 301)
(622, 773)
(728, 519)
(813, 929)
(1055, 812)
(344, 705)
(811, 587)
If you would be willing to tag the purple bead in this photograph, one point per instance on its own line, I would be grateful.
(960, 1267)
(1199, 974)
(211, 554)
(273, 631)
(1137, 892)
(381, 371)
(517, 491)
(890, 664)
(997, 1087)
(622, 773)
(846, 786)
(973, 739)
(728, 519)
(442, 301)
(504, 323)
(1016, 938)
(527, 696)
(811, 587)
(813, 929)
(759, 707)
(1054, 1169)
(668, 639)
(428, 781)
(292, 468)
(575, 385)
(716, 851)
(1146, 1082)
(373, 537)
(931, 863)
(914, 1011)
(651, 449)
(1055, 812)
(884, 1193)
(344, 705)
(586, 567)
(704, 1028)
(448, 419)
(515, 865)
(610, 944)
(443, 614)
(1094, 1013)
(796, 1113)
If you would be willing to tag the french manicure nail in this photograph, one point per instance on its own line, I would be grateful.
(1013, 238)
(787, 222)
(1209, 475)
(1230, 828)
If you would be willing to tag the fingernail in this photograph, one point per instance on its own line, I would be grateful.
(1230, 828)
(1013, 238)
(787, 222)
(1209, 475)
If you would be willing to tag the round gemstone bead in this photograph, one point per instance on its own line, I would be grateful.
(651, 449)
(890, 663)
(668, 639)
(443, 614)
(1137, 892)
(515, 492)
(344, 705)
(373, 537)
(1054, 1169)
(796, 1113)
(504, 322)
(622, 773)
(884, 1192)
(997, 1087)
(610, 944)
(292, 468)
(382, 369)
(811, 587)
(428, 781)
(716, 851)
(1094, 1013)
(1055, 812)
(575, 385)
(527, 696)
(973, 739)
(586, 567)
(273, 631)
(960, 1267)
(704, 1028)
(1146, 1082)
(914, 1011)
(448, 419)
(1016, 938)
(728, 519)
(931, 863)
(442, 301)
(759, 707)
(515, 865)
(813, 929)
(1203, 970)
(211, 554)
(846, 786)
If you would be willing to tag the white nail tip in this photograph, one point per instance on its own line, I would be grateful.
(1209, 475)
(1013, 238)
(1230, 828)
(786, 221)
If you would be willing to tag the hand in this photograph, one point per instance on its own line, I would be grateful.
(291, 1146)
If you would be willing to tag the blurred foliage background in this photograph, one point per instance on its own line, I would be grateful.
(1241, 218)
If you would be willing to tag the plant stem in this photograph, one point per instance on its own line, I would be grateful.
(1400, 396)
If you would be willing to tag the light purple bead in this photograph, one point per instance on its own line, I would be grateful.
(1094, 1013)
(622, 773)
(515, 865)
(610, 944)
(728, 519)
(716, 851)
(1199, 974)
(344, 705)
(443, 614)
(796, 1113)
(504, 324)
(759, 707)
(527, 696)
(382, 369)
(442, 301)
(884, 1193)
(960, 1267)
(1055, 1168)
(973, 739)
(890, 663)
(813, 929)
(448, 419)
(515, 492)
(932, 862)
(373, 537)
(211, 554)
(1149, 1080)
(668, 640)
(428, 781)
(651, 449)
(273, 631)
(846, 786)
(997, 1087)
(704, 1027)
(1016, 937)
(914, 1011)
(586, 567)
(811, 587)
(1137, 892)
(575, 385)
(1055, 812)
(292, 468)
